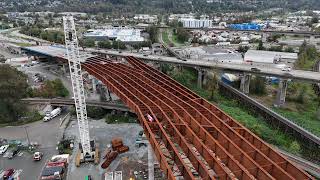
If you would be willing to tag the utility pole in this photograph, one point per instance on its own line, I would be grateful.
(25, 128)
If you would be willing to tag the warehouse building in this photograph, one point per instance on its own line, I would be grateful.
(124, 34)
(270, 57)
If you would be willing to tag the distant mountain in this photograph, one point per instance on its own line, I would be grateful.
(155, 6)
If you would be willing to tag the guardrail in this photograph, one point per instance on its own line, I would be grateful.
(69, 102)
(308, 166)
(273, 117)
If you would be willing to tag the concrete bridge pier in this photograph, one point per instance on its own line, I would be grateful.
(312, 39)
(201, 73)
(245, 83)
(160, 68)
(281, 94)
(94, 83)
(65, 68)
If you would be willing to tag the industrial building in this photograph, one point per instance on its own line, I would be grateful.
(207, 53)
(146, 18)
(196, 23)
(270, 57)
(246, 26)
(174, 17)
(124, 34)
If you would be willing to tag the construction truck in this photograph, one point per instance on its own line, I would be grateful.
(50, 115)
(55, 168)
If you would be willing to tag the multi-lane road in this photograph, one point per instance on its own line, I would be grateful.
(263, 69)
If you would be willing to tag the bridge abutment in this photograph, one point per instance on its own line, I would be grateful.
(245, 83)
(281, 94)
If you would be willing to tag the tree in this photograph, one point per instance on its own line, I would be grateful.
(307, 56)
(182, 35)
(314, 20)
(301, 98)
(274, 38)
(13, 87)
(276, 48)
(118, 45)
(88, 43)
(243, 49)
(260, 46)
(289, 49)
(258, 86)
(153, 33)
(213, 86)
(105, 44)
(50, 89)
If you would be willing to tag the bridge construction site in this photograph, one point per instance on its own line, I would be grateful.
(191, 138)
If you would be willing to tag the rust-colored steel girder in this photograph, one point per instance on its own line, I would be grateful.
(241, 156)
(212, 112)
(222, 154)
(191, 137)
(111, 68)
(168, 126)
(166, 152)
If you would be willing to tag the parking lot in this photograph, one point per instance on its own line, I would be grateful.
(25, 166)
(46, 134)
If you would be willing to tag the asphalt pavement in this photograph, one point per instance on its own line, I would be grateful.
(26, 168)
(46, 134)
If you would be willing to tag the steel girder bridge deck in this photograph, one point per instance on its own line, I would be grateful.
(191, 138)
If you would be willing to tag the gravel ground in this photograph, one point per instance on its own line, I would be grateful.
(133, 160)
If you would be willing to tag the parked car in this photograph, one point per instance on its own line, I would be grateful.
(13, 152)
(8, 173)
(288, 69)
(37, 156)
(4, 148)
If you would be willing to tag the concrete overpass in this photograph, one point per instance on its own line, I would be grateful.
(70, 102)
(245, 70)
(59, 52)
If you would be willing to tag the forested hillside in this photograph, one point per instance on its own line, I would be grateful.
(124, 7)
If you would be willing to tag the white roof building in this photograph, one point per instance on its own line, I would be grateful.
(146, 18)
(173, 17)
(269, 57)
(124, 34)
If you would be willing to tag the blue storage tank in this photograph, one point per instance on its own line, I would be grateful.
(245, 26)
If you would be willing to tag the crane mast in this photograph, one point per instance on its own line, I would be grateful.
(74, 60)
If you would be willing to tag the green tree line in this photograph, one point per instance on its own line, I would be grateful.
(37, 31)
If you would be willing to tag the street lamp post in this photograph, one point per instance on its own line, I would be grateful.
(25, 128)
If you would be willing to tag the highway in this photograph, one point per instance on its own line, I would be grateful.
(305, 33)
(264, 70)
(68, 102)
